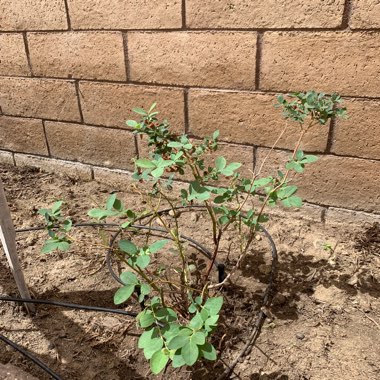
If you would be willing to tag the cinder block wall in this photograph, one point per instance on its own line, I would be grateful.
(72, 70)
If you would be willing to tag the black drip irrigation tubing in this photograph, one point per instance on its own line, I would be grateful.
(257, 326)
(27, 354)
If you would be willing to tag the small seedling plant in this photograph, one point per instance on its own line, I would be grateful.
(181, 303)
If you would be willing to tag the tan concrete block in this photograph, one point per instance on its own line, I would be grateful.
(347, 63)
(248, 118)
(22, 135)
(40, 98)
(359, 135)
(333, 181)
(350, 217)
(6, 158)
(126, 14)
(91, 55)
(13, 59)
(264, 14)
(33, 15)
(93, 145)
(60, 167)
(365, 14)
(217, 59)
(111, 104)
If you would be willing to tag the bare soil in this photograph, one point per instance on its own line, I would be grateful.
(324, 322)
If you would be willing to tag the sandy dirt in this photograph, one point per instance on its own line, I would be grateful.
(324, 322)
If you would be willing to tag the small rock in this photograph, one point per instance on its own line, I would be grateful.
(300, 336)
(265, 269)
(174, 213)
(194, 217)
(279, 300)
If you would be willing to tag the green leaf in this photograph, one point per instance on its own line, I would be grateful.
(199, 338)
(178, 360)
(129, 278)
(286, 191)
(158, 361)
(212, 320)
(67, 224)
(110, 201)
(178, 342)
(190, 353)
(123, 294)
(299, 155)
(63, 246)
(157, 245)
(208, 351)
(154, 346)
(56, 207)
(196, 322)
(143, 261)
(158, 172)
(292, 202)
(215, 135)
(146, 320)
(145, 289)
(98, 213)
(145, 163)
(308, 159)
(132, 123)
(152, 107)
(146, 337)
(140, 111)
(229, 170)
(174, 144)
(213, 305)
(128, 247)
(167, 314)
(220, 163)
(49, 246)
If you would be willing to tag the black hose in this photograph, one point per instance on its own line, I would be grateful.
(27, 354)
(69, 305)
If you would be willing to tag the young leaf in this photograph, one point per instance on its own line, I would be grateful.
(158, 172)
(123, 294)
(146, 320)
(190, 353)
(157, 245)
(128, 247)
(178, 360)
(143, 261)
(292, 202)
(158, 361)
(196, 322)
(145, 289)
(220, 163)
(145, 163)
(110, 201)
(147, 337)
(56, 207)
(199, 338)
(140, 111)
(308, 159)
(178, 342)
(154, 346)
(213, 305)
(208, 351)
(129, 278)
(132, 123)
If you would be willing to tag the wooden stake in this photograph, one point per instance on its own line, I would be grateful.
(8, 240)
